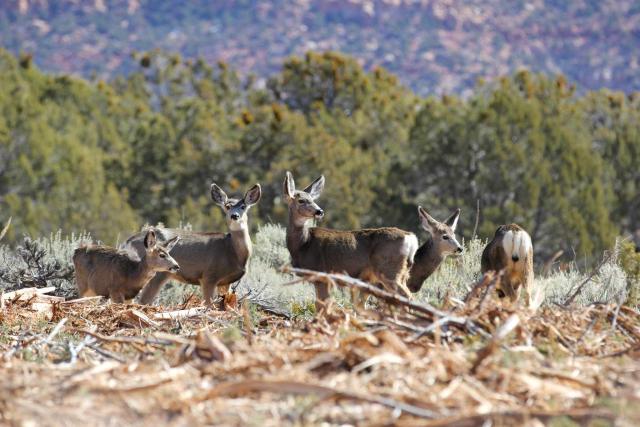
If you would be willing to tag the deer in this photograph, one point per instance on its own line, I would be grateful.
(118, 274)
(431, 254)
(212, 260)
(511, 251)
(377, 255)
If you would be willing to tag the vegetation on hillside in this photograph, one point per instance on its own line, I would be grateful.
(433, 46)
(106, 157)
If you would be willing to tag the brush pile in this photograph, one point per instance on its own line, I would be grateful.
(90, 362)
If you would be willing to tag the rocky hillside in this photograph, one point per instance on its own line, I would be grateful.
(434, 46)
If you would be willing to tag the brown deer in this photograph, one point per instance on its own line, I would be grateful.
(512, 252)
(380, 255)
(212, 260)
(118, 274)
(431, 254)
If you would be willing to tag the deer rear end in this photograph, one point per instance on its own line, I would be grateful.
(511, 250)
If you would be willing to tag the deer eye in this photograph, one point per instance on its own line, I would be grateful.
(300, 201)
(163, 255)
(445, 237)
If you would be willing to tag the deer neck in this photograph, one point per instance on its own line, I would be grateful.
(297, 235)
(426, 261)
(142, 272)
(241, 243)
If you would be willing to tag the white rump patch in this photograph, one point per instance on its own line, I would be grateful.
(410, 246)
(517, 245)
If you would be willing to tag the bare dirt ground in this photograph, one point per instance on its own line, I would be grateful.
(90, 362)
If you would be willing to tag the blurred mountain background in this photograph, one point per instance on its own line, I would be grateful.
(440, 46)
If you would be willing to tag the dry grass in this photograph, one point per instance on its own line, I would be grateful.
(96, 363)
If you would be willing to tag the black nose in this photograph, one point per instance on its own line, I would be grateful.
(319, 212)
(459, 250)
(175, 268)
(235, 216)
(515, 258)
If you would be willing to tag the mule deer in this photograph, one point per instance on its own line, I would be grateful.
(212, 260)
(431, 254)
(511, 250)
(117, 274)
(380, 255)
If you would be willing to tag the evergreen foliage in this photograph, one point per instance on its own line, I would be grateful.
(106, 156)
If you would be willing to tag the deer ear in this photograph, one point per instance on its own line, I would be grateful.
(150, 239)
(315, 188)
(171, 243)
(252, 196)
(289, 186)
(427, 221)
(452, 221)
(217, 195)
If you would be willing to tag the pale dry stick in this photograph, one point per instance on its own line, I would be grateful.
(105, 353)
(594, 272)
(88, 339)
(493, 280)
(366, 287)
(126, 340)
(5, 229)
(549, 263)
(481, 283)
(56, 330)
(294, 387)
(82, 300)
(463, 323)
(614, 322)
(475, 226)
(633, 348)
(520, 416)
(74, 351)
(432, 328)
(504, 330)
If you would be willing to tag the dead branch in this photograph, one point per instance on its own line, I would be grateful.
(549, 263)
(293, 387)
(5, 229)
(388, 297)
(594, 272)
(475, 225)
(504, 330)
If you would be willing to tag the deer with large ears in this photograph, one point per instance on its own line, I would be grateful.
(379, 255)
(212, 260)
(431, 254)
(119, 274)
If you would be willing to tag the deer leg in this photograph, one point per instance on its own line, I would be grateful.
(116, 297)
(358, 299)
(393, 275)
(322, 294)
(151, 289)
(208, 291)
